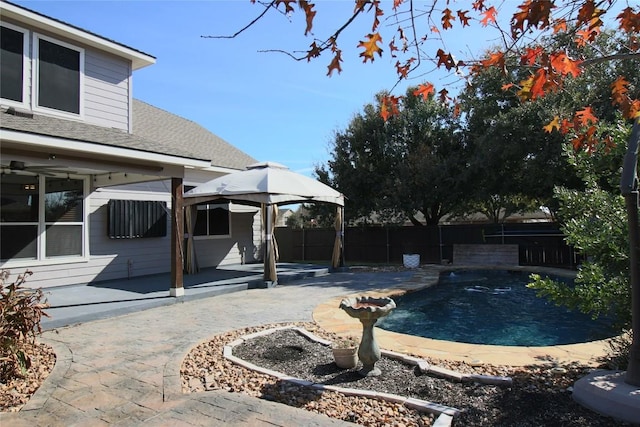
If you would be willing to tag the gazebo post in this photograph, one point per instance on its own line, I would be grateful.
(270, 275)
(177, 238)
(337, 257)
(342, 231)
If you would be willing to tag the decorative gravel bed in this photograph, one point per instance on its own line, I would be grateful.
(15, 393)
(536, 397)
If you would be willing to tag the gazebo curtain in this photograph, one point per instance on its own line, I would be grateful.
(191, 260)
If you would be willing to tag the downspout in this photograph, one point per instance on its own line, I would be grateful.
(629, 189)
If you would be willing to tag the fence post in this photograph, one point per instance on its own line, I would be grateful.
(386, 228)
(440, 243)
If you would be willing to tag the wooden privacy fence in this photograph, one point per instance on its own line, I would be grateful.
(540, 244)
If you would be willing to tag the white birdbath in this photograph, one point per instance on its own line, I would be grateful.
(368, 310)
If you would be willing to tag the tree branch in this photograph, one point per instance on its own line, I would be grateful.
(615, 57)
(246, 27)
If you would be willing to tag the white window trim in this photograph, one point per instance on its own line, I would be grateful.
(25, 69)
(41, 259)
(35, 78)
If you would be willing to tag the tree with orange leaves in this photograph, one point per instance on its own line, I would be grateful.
(414, 34)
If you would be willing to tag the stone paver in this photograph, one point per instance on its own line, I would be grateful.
(124, 370)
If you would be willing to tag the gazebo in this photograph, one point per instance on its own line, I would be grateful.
(266, 184)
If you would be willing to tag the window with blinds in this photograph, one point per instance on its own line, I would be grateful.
(134, 219)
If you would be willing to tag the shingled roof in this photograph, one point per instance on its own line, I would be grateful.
(154, 131)
(155, 124)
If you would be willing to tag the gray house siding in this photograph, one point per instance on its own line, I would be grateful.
(106, 91)
(111, 117)
(125, 257)
(235, 250)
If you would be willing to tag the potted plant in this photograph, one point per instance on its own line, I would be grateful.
(345, 352)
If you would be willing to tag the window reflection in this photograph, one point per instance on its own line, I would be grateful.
(63, 200)
(18, 198)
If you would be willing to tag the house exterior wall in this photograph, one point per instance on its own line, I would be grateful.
(237, 249)
(121, 258)
(111, 259)
(107, 87)
(105, 99)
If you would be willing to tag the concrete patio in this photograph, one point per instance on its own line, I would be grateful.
(82, 303)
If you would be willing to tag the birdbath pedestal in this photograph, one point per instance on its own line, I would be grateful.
(368, 310)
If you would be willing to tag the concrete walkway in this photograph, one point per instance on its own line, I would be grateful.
(125, 370)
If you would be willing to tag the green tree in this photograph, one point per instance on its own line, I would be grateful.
(361, 163)
(413, 163)
(515, 163)
(432, 160)
(594, 221)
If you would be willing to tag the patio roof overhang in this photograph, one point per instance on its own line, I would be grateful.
(108, 165)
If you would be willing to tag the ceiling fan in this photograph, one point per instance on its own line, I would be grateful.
(15, 165)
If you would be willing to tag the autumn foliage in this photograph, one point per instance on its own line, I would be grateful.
(420, 31)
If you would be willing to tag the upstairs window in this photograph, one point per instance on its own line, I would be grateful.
(58, 75)
(13, 54)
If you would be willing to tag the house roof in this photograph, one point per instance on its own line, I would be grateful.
(155, 124)
(154, 131)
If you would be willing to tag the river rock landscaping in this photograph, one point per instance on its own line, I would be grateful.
(538, 395)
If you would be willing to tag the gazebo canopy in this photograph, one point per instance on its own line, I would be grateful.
(270, 184)
(266, 182)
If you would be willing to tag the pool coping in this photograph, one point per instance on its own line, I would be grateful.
(330, 318)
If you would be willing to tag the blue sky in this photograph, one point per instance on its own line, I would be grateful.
(266, 104)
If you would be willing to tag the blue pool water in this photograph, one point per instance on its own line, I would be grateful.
(490, 307)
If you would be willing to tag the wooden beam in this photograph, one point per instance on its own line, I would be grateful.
(177, 237)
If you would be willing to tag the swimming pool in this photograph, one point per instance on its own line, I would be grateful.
(490, 307)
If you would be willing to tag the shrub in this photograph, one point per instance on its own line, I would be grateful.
(619, 351)
(20, 313)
